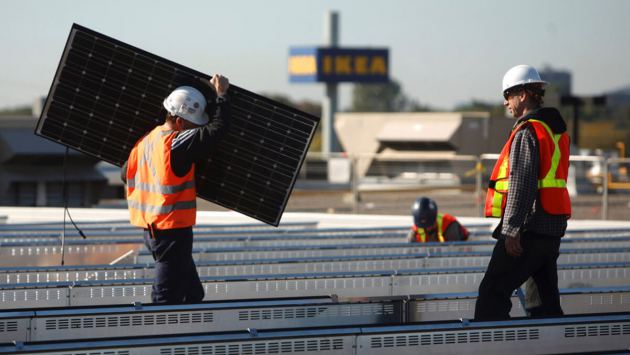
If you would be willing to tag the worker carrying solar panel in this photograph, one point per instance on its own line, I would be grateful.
(160, 179)
(431, 226)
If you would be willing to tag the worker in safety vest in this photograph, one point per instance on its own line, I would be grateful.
(431, 226)
(528, 192)
(160, 179)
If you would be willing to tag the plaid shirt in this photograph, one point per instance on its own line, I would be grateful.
(523, 210)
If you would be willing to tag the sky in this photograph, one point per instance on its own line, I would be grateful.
(443, 53)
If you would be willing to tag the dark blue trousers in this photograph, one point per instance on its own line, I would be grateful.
(176, 278)
(506, 273)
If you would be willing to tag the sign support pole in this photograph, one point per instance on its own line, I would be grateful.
(330, 144)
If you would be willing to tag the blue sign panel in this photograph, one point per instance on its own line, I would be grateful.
(334, 65)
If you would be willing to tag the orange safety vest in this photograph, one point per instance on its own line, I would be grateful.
(155, 195)
(552, 173)
(443, 221)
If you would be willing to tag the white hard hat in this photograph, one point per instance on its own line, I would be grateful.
(521, 75)
(187, 103)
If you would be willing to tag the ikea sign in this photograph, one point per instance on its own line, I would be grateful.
(334, 65)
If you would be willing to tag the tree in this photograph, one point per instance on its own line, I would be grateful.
(416, 106)
(387, 97)
(16, 111)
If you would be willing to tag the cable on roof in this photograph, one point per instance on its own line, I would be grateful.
(65, 209)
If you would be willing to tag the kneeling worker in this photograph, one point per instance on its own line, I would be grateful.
(431, 226)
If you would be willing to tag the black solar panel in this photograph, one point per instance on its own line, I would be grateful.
(106, 94)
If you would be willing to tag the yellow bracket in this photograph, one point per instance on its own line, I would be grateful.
(478, 168)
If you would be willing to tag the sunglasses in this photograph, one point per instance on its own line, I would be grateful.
(507, 93)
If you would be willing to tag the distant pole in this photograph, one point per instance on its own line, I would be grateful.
(330, 144)
(576, 125)
(576, 102)
(605, 190)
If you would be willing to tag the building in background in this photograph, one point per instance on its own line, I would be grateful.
(619, 98)
(31, 168)
(420, 146)
(560, 81)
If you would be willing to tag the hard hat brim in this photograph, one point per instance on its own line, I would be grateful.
(201, 121)
(198, 120)
(523, 84)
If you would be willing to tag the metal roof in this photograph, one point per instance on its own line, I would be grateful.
(428, 130)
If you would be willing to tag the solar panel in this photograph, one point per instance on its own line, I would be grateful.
(107, 94)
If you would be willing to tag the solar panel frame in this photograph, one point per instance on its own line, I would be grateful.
(106, 94)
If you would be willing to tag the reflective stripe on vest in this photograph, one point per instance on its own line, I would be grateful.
(155, 195)
(549, 180)
(556, 202)
(501, 188)
(147, 156)
(421, 235)
(183, 205)
(160, 189)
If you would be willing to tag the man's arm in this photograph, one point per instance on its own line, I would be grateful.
(455, 232)
(191, 145)
(523, 181)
